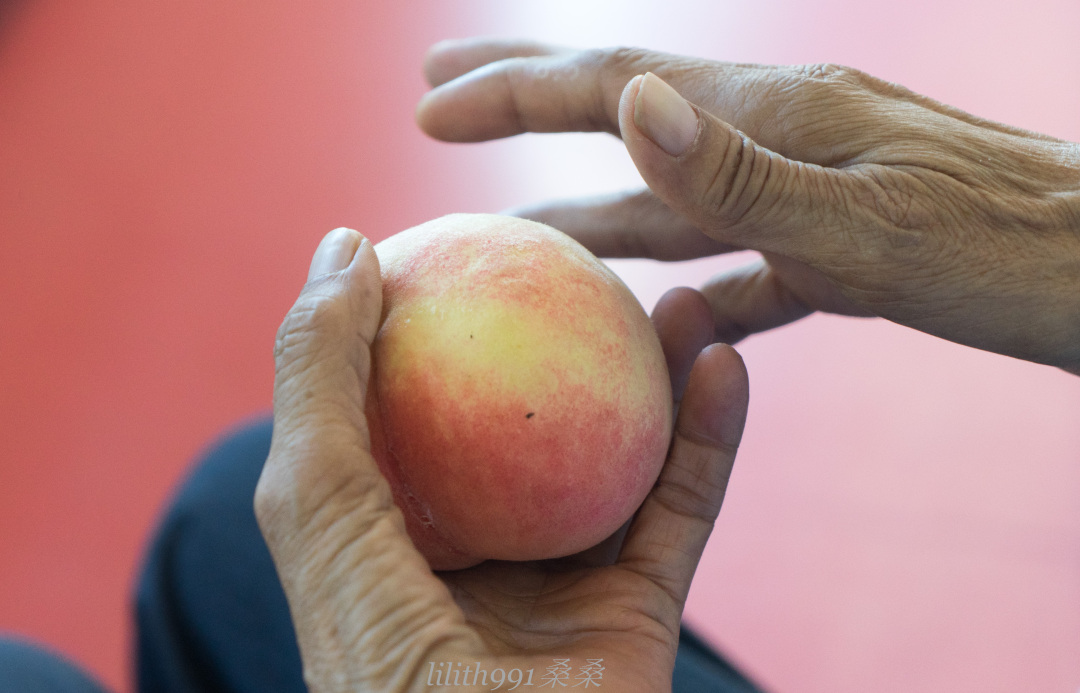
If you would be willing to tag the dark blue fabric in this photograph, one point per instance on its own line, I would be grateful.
(212, 617)
(210, 611)
(29, 668)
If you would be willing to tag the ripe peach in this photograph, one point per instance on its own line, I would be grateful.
(519, 405)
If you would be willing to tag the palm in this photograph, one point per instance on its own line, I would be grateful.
(368, 612)
(540, 611)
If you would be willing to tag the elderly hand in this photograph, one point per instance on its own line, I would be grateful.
(370, 614)
(863, 197)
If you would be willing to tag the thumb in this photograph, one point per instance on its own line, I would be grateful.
(732, 188)
(365, 606)
(323, 364)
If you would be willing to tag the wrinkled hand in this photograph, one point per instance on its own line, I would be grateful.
(370, 615)
(863, 197)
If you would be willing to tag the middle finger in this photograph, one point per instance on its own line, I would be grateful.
(632, 224)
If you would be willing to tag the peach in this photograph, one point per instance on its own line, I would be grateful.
(520, 405)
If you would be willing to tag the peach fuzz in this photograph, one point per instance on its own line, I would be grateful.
(520, 405)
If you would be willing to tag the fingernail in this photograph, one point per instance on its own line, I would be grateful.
(663, 116)
(335, 252)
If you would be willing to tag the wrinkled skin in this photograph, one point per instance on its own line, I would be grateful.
(370, 614)
(863, 197)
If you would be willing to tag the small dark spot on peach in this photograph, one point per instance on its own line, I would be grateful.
(530, 415)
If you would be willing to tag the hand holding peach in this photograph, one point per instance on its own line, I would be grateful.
(368, 611)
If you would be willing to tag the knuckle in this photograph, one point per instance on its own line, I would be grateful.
(636, 240)
(524, 78)
(824, 72)
(694, 482)
(696, 500)
(621, 59)
(265, 503)
(315, 314)
(830, 74)
(799, 83)
(595, 58)
(1069, 210)
(810, 88)
(518, 77)
(623, 62)
(614, 67)
(811, 103)
(516, 70)
(270, 498)
(638, 243)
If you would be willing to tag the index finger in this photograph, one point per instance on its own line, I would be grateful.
(533, 89)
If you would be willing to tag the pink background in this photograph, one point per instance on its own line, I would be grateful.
(904, 514)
